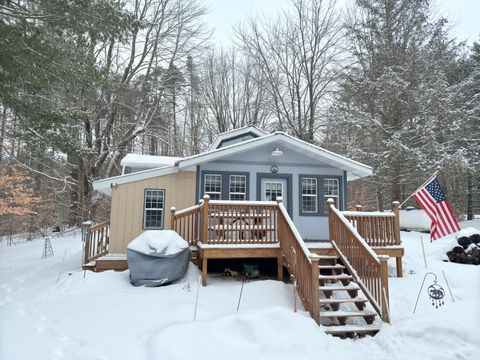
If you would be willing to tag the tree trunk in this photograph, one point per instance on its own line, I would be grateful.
(469, 196)
(2, 131)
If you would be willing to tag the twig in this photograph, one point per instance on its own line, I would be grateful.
(448, 286)
(61, 263)
(196, 300)
(423, 251)
(241, 292)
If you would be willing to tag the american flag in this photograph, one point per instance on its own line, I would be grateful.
(432, 199)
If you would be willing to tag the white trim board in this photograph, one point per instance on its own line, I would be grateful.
(354, 168)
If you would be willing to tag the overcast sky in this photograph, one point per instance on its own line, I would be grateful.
(464, 15)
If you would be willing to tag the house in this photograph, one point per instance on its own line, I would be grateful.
(255, 194)
(243, 164)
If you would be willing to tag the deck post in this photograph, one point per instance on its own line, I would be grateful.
(204, 220)
(330, 201)
(204, 270)
(315, 291)
(86, 225)
(172, 217)
(396, 234)
(384, 281)
(396, 211)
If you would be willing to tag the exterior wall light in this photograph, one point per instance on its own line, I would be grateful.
(277, 152)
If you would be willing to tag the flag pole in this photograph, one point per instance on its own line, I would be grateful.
(426, 182)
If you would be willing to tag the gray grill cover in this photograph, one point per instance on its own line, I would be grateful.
(158, 265)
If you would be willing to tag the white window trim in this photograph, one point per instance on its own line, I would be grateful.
(336, 198)
(230, 193)
(162, 210)
(205, 185)
(315, 196)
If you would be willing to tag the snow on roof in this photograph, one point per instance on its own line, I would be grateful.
(148, 161)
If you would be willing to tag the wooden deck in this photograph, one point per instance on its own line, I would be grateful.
(353, 261)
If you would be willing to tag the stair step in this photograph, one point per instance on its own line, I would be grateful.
(336, 277)
(344, 314)
(342, 301)
(331, 267)
(343, 329)
(327, 257)
(340, 287)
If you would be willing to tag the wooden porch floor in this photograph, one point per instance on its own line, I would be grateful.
(202, 253)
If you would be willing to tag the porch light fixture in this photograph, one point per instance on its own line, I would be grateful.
(277, 152)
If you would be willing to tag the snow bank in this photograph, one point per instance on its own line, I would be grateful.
(254, 334)
(414, 219)
(51, 309)
(158, 242)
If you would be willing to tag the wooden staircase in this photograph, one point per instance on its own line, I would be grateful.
(344, 291)
(344, 310)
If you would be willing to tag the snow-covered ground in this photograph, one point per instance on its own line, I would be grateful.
(50, 310)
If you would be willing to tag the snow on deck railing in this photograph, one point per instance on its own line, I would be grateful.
(186, 210)
(243, 203)
(368, 213)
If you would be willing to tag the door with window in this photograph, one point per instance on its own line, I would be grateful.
(273, 188)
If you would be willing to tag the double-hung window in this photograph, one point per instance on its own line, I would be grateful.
(237, 187)
(331, 189)
(213, 186)
(154, 209)
(309, 195)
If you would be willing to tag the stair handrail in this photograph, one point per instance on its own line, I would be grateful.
(369, 270)
(300, 262)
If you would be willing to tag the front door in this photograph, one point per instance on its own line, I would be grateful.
(273, 188)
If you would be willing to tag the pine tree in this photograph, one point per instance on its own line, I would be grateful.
(394, 109)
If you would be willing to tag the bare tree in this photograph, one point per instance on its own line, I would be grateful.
(234, 91)
(298, 55)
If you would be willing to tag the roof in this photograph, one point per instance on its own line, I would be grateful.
(147, 161)
(231, 134)
(353, 168)
(105, 185)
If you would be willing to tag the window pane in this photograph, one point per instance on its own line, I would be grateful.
(309, 195)
(154, 203)
(213, 186)
(238, 186)
(331, 189)
(273, 190)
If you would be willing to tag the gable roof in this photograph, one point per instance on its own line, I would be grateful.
(354, 168)
(236, 133)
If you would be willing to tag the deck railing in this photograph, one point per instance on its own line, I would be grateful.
(377, 228)
(369, 270)
(301, 264)
(95, 241)
(227, 222)
(254, 222)
(186, 223)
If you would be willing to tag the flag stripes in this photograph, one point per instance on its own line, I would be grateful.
(432, 199)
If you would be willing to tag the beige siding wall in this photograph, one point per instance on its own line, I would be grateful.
(126, 217)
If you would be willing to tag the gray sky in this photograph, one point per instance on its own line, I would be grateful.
(464, 15)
